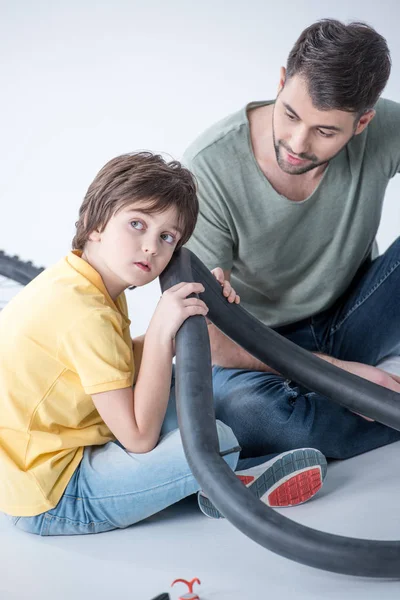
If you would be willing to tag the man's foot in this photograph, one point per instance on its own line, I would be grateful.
(288, 479)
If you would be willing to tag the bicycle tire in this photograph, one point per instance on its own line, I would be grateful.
(196, 418)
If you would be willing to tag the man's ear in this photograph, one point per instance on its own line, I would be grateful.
(364, 121)
(282, 79)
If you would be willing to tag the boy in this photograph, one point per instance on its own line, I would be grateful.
(80, 448)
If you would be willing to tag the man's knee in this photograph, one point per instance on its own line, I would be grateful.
(258, 412)
(258, 394)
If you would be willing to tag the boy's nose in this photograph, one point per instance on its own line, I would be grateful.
(150, 247)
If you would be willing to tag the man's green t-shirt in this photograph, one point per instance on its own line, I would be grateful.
(290, 260)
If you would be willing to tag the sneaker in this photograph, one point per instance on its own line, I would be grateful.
(288, 479)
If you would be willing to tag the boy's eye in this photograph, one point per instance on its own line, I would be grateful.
(137, 224)
(167, 237)
(291, 117)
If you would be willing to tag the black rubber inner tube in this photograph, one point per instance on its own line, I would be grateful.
(196, 417)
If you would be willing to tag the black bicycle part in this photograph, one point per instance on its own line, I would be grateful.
(196, 416)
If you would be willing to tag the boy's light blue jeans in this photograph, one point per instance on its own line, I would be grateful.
(113, 488)
(270, 414)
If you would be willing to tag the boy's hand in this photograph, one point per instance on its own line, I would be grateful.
(174, 307)
(227, 289)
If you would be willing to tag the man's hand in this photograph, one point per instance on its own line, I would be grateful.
(387, 380)
(227, 289)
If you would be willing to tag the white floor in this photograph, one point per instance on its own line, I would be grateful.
(360, 498)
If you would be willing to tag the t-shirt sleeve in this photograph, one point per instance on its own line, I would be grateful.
(96, 350)
(385, 139)
(212, 239)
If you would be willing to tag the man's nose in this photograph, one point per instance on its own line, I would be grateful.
(299, 142)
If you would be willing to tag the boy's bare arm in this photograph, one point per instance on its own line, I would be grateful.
(135, 416)
(137, 347)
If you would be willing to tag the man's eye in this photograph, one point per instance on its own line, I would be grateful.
(325, 134)
(167, 237)
(137, 224)
(291, 117)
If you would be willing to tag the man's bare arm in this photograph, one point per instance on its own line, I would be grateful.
(228, 354)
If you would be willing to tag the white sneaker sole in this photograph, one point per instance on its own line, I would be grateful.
(289, 479)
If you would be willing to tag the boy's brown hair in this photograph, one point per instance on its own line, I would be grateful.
(130, 178)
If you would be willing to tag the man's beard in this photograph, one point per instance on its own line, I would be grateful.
(300, 170)
(292, 169)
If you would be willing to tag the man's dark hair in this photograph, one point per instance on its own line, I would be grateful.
(136, 177)
(346, 67)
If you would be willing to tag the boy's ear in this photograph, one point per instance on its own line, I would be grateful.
(95, 236)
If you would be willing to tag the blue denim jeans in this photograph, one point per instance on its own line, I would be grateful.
(270, 414)
(113, 488)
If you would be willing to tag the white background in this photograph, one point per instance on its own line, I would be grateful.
(83, 81)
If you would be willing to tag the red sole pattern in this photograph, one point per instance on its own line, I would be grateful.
(297, 489)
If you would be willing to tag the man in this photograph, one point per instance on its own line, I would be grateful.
(291, 195)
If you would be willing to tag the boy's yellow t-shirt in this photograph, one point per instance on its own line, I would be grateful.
(62, 338)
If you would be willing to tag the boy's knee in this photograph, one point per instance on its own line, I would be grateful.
(226, 437)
